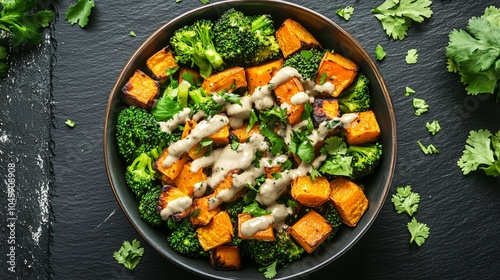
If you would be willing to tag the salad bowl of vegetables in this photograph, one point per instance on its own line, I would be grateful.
(248, 144)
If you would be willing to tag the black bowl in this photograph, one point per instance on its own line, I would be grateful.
(332, 37)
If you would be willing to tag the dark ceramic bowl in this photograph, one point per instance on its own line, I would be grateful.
(331, 36)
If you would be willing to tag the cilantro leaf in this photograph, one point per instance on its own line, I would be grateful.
(166, 108)
(270, 270)
(16, 18)
(420, 105)
(339, 165)
(429, 150)
(397, 16)
(433, 127)
(129, 254)
(419, 232)
(132, 34)
(345, 13)
(80, 12)
(405, 200)
(412, 56)
(255, 210)
(380, 52)
(409, 91)
(70, 123)
(306, 151)
(475, 53)
(482, 151)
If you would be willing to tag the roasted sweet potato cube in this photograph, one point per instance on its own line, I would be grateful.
(260, 75)
(221, 137)
(310, 193)
(310, 231)
(242, 133)
(349, 199)
(363, 130)
(225, 257)
(325, 109)
(292, 37)
(173, 203)
(266, 234)
(230, 79)
(338, 70)
(270, 171)
(141, 90)
(218, 232)
(160, 62)
(284, 93)
(168, 174)
(193, 74)
(226, 184)
(186, 180)
(201, 214)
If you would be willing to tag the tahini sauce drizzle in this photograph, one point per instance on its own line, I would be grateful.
(177, 205)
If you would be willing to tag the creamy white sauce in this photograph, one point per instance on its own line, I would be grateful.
(262, 96)
(201, 130)
(180, 118)
(279, 213)
(256, 224)
(177, 205)
(199, 115)
(347, 119)
(240, 111)
(300, 98)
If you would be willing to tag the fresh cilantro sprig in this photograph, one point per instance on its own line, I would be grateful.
(80, 12)
(482, 151)
(129, 254)
(255, 210)
(397, 16)
(270, 270)
(346, 12)
(475, 53)
(419, 231)
(17, 19)
(405, 200)
(338, 162)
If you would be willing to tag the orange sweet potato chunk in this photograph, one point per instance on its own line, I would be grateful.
(218, 232)
(197, 79)
(310, 231)
(284, 93)
(168, 195)
(260, 75)
(363, 130)
(160, 62)
(186, 180)
(225, 257)
(141, 90)
(349, 199)
(230, 79)
(310, 193)
(325, 109)
(292, 37)
(242, 133)
(338, 70)
(201, 215)
(264, 235)
(168, 174)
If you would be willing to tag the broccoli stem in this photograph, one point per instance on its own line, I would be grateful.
(261, 22)
(182, 95)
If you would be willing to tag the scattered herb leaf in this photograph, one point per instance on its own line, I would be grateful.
(412, 56)
(482, 151)
(346, 12)
(70, 123)
(132, 33)
(380, 52)
(429, 150)
(270, 270)
(433, 127)
(80, 12)
(419, 232)
(129, 254)
(409, 91)
(405, 200)
(420, 105)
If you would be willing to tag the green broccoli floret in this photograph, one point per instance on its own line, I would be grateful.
(234, 38)
(288, 250)
(136, 132)
(306, 62)
(365, 159)
(184, 239)
(200, 101)
(264, 32)
(332, 216)
(140, 175)
(245, 40)
(195, 44)
(355, 98)
(147, 207)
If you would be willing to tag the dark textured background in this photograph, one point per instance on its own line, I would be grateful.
(86, 224)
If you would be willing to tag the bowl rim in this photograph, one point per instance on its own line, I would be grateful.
(365, 56)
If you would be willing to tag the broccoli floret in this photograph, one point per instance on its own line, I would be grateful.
(140, 175)
(306, 62)
(195, 44)
(332, 216)
(245, 40)
(234, 39)
(136, 132)
(264, 32)
(147, 207)
(184, 239)
(203, 102)
(365, 159)
(288, 250)
(355, 98)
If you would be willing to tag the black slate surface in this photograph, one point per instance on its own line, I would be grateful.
(88, 225)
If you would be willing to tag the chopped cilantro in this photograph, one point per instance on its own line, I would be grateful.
(412, 56)
(405, 200)
(270, 270)
(409, 91)
(346, 12)
(429, 150)
(380, 52)
(419, 232)
(132, 34)
(420, 105)
(80, 12)
(255, 210)
(70, 123)
(130, 254)
(433, 127)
